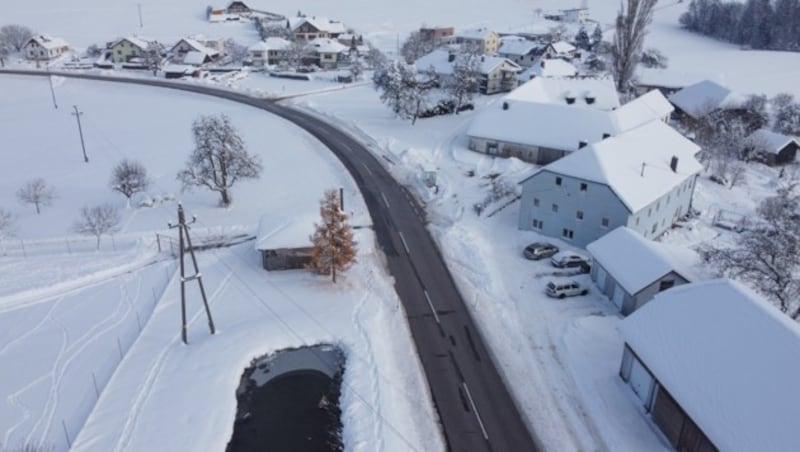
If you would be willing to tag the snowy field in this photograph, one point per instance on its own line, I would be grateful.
(561, 357)
(71, 316)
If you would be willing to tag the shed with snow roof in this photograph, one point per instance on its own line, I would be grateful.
(715, 366)
(284, 243)
(771, 148)
(630, 270)
(702, 98)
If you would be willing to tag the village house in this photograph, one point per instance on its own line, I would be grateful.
(546, 119)
(125, 49)
(575, 15)
(307, 29)
(497, 74)
(630, 270)
(560, 49)
(284, 243)
(43, 48)
(269, 52)
(771, 148)
(643, 178)
(325, 53)
(668, 81)
(702, 98)
(485, 41)
(238, 7)
(193, 52)
(713, 366)
(436, 35)
(520, 50)
(547, 67)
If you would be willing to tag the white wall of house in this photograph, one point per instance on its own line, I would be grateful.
(574, 210)
(659, 216)
(124, 50)
(33, 51)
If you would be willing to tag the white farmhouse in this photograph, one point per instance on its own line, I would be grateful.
(497, 74)
(269, 52)
(715, 367)
(43, 47)
(643, 179)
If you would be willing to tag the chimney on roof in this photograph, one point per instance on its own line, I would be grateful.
(673, 164)
(505, 105)
(606, 135)
(642, 173)
(589, 98)
(582, 144)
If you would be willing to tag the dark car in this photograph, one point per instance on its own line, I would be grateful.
(540, 250)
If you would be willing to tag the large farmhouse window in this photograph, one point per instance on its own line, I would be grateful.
(604, 222)
(555, 207)
(579, 215)
(558, 180)
(568, 233)
(583, 186)
(535, 202)
(538, 224)
(655, 226)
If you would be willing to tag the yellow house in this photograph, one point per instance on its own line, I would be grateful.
(124, 49)
(486, 41)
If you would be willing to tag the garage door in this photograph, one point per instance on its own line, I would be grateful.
(619, 296)
(641, 381)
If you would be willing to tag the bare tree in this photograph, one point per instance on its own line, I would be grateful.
(295, 54)
(15, 35)
(767, 255)
(653, 58)
(276, 30)
(375, 58)
(129, 177)
(235, 52)
(334, 249)
(631, 28)
(465, 81)
(4, 52)
(219, 158)
(153, 56)
(97, 220)
(7, 224)
(356, 68)
(416, 46)
(36, 192)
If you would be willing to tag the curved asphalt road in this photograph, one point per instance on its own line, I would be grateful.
(475, 409)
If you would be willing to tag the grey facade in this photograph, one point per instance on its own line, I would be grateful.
(628, 302)
(526, 152)
(580, 211)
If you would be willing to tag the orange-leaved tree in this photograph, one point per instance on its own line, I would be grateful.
(334, 248)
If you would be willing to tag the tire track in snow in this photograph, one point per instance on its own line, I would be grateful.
(73, 352)
(36, 328)
(145, 389)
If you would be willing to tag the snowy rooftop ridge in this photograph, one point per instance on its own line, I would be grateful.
(474, 33)
(643, 109)
(552, 90)
(518, 46)
(320, 23)
(634, 164)
(732, 380)
(440, 61)
(551, 67)
(327, 45)
(563, 47)
(769, 141)
(643, 261)
(48, 42)
(702, 97)
(277, 232)
(271, 43)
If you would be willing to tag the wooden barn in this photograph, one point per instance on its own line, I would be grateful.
(284, 243)
(713, 365)
(237, 7)
(771, 148)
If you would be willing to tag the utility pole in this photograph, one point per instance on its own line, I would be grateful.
(139, 6)
(77, 115)
(52, 91)
(183, 231)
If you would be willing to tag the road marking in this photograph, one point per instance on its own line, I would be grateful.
(367, 168)
(405, 245)
(435, 315)
(475, 410)
(385, 201)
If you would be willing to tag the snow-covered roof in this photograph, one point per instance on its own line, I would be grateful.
(142, 43)
(669, 78)
(617, 162)
(475, 33)
(48, 42)
(553, 126)
(551, 67)
(197, 46)
(768, 141)
(271, 43)
(554, 91)
(276, 232)
(195, 58)
(320, 23)
(703, 97)
(645, 108)
(562, 47)
(327, 45)
(517, 46)
(439, 60)
(632, 260)
(729, 359)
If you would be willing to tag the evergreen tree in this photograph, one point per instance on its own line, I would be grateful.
(582, 40)
(597, 35)
(334, 249)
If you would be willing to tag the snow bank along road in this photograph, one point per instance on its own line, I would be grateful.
(476, 410)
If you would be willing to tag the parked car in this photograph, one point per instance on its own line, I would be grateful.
(565, 289)
(540, 250)
(566, 259)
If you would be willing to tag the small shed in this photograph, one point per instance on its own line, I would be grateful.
(771, 148)
(714, 366)
(630, 269)
(284, 243)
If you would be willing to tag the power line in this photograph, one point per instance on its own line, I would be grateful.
(77, 113)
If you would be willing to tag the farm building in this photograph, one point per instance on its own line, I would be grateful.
(284, 243)
(772, 148)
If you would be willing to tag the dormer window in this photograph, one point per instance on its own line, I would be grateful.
(570, 99)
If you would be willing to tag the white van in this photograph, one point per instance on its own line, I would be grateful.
(565, 289)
